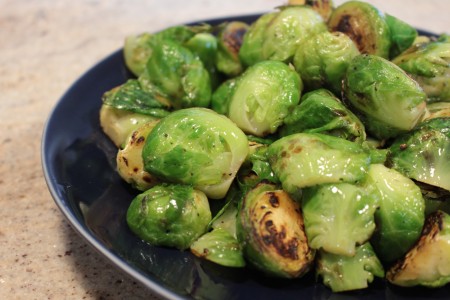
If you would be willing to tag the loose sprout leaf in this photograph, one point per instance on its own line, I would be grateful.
(132, 97)
(338, 217)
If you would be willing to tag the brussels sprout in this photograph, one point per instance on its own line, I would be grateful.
(130, 165)
(179, 75)
(320, 111)
(219, 246)
(257, 163)
(169, 215)
(346, 273)
(270, 227)
(136, 96)
(250, 52)
(230, 40)
(403, 35)
(401, 214)
(365, 25)
(323, 7)
(429, 65)
(424, 153)
(118, 124)
(290, 27)
(437, 110)
(338, 217)
(428, 262)
(138, 48)
(387, 100)
(205, 46)
(306, 159)
(264, 95)
(322, 60)
(276, 36)
(196, 146)
(221, 98)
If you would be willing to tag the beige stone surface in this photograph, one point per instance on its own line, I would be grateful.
(45, 46)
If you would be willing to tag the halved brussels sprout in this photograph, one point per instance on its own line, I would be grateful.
(338, 217)
(387, 100)
(429, 64)
(347, 273)
(169, 215)
(401, 214)
(230, 40)
(323, 59)
(196, 146)
(118, 124)
(130, 165)
(264, 95)
(365, 25)
(270, 227)
(179, 75)
(320, 111)
(306, 159)
(424, 153)
(428, 262)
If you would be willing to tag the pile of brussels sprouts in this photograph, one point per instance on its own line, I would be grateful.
(324, 132)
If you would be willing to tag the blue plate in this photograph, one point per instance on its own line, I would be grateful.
(79, 167)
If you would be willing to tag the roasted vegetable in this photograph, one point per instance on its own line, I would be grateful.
(365, 25)
(130, 165)
(401, 214)
(346, 273)
(323, 59)
(428, 262)
(196, 146)
(387, 100)
(429, 64)
(230, 40)
(264, 95)
(306, 159)
(320, 111)
(323, 7)
(270, 227)
(403, 35)
(169, 215)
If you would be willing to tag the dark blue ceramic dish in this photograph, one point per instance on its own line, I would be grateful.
(79, 166)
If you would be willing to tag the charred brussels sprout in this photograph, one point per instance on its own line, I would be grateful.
(169, 215)
(429, 64)
(346, 273)
(130, 165)
(219, 246)
(322, 60)
(276, 36)
(424, 153)
(264, 95)
(230, 40)
(401, 214)
(179, 75)
(306, 159)
(118, 124)
(365, 25)
(320, 111)
(338, 217)
(270, 227)
(323, 7)
(387, 100)
(428, 262)
(196, 146)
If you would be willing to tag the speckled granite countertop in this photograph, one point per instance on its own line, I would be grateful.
(44, 47)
